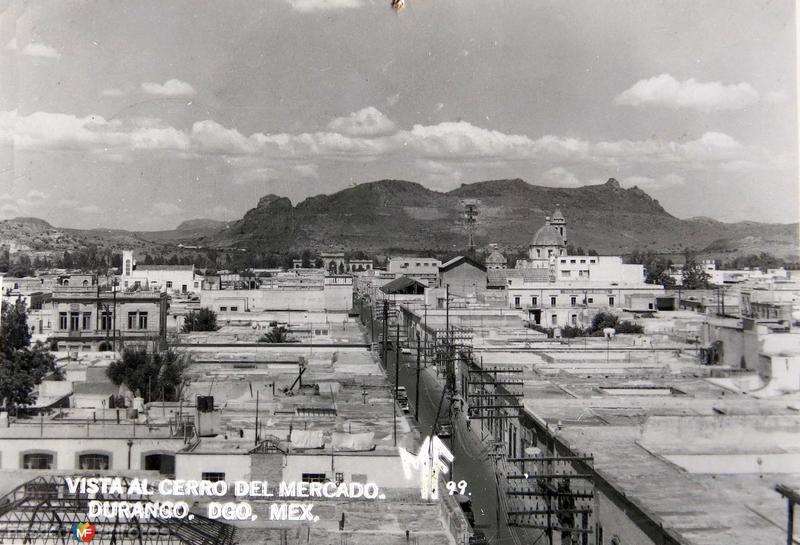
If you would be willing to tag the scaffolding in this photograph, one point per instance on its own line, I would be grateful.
(43, 510)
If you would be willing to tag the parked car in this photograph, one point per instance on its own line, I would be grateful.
(466, 506)
(478, 538)
(404, 405)
(444, 430)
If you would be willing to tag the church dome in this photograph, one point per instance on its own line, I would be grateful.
(547, 235)
(557, 215)
(496, 258)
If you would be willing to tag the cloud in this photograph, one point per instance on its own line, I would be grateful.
(89, 209)
(560, 177)
(167, 209)
(111, 92)
(307, 6)
(306, 171)
(668, 181)
(367, 122)
(9, 210)
(40, 50)
(170, 88)
(449, 142)
(667, 92)
(776, 97)
(12, 44)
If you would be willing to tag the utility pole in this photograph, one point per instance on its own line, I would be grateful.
(385, 329)
(255, 431)
(416, 390)
(396, 375)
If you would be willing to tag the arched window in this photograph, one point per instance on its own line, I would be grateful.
(85, 283)
(38, 460)
(94, 460)
(162, 462)
(65, 282)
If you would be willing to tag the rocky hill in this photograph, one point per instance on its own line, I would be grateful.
(395, 215)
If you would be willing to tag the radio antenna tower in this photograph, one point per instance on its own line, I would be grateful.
(470, 219)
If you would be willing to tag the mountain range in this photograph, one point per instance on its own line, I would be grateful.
(396, 215)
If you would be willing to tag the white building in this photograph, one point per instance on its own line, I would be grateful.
(169, 278)
(425, 269)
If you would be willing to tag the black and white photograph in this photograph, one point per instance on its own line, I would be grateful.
(399, 272)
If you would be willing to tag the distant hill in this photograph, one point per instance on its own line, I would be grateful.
(396, 215)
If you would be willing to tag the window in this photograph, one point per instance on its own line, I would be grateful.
(572, 261)
(554, 319)
(142, 320)
(197, 284)
(127, 268)
(213, 476)
(93, 461)
(574, 319)
(516, 302)
(87, 320)
(223, 309)
(564, 261)
(591, 299)
(74, 321)
(340, 475)
(37, 460)
(169, 283)
(137, 284)
(105, 321)
(591, 261)
(650, 306)
(126, 284)
(611, 301)
(565, 274)
(234, 309)
(62, 320)
(314, 478)
(573, 300)
(131, 320)
(583, 261)
(553, 300)
(534, 301)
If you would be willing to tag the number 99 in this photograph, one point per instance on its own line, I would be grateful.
(457, 488)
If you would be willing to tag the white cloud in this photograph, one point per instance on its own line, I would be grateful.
(40, 50)
(454, 143)
(306, 171)
(12, 44)
(167, 209)
(307, 6)
(9, 210)
(89, 209)
(777, 97)
(667, 92)
(560, 177)
(170, 88)
(36, 195)
(112, 92)
(367, 122)
(668, 181)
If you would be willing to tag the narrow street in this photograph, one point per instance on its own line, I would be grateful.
(471, 462)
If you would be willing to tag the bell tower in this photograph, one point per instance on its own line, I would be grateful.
(560, 223)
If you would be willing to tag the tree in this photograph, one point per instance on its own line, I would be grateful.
(306, 259)
(318, 263)
(277, 335)
(14, 332)
(22, 368)
(158, 376)
(67, 261)
(148, 259)
(21, 267)
(204, 319)
(693, 276)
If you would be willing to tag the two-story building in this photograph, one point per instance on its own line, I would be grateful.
(81, 318)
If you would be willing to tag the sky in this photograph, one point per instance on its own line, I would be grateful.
(140, 115)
